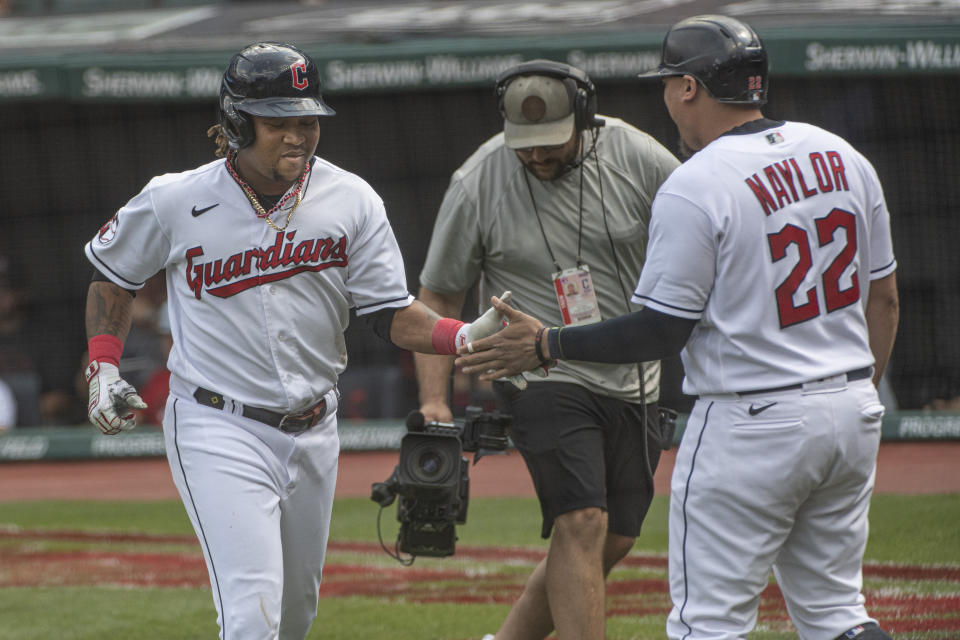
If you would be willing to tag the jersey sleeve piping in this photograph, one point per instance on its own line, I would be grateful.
(404, 301)
(669, 309)
(885, 270)
(112, 275)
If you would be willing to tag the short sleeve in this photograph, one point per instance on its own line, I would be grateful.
(377, 279)
(662, 163)
(882, 260)
(132, 245)
(454, 258)
(681, 259)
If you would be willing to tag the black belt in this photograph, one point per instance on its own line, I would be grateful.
(856, 374)
(288, 423)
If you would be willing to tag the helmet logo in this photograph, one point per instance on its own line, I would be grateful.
(299, 71)
(755, 83)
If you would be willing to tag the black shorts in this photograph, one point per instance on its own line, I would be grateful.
(584, 450)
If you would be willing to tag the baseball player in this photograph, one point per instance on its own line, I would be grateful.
(771, 265)
(265, 252)
(555, 208)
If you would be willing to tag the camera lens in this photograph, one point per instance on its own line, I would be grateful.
(430, 463)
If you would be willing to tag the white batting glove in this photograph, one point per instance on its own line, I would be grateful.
(543, 371)
(112, 399)
(488, 324)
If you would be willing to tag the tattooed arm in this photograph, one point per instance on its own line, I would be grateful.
(108, 310)
(112, 399)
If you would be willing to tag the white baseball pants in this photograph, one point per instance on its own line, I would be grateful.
(260, 502)
(782, 482)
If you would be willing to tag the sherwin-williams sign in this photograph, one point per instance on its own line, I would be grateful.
(908, 56)
(433, 64)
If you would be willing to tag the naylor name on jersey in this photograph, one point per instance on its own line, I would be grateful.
(789, 185)
(283, 259)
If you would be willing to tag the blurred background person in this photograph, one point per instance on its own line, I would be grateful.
(19, 369)
(156, 385)
(8, 408)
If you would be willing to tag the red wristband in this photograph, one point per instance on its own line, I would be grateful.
(105, 348)
(444, 337)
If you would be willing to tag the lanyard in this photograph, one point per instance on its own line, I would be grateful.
(536, 212)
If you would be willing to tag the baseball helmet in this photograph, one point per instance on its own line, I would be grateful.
(268, 79)
(725, 55)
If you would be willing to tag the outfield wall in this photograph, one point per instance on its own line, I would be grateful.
(69, 165)
(84, 442)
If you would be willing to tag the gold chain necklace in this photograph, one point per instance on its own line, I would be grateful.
(262, 213)
(257, 207)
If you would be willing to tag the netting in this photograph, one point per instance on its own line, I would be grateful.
(65, 168)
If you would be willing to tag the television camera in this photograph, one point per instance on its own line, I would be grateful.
(431, 482)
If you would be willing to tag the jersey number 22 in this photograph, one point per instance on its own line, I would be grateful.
(835, 297)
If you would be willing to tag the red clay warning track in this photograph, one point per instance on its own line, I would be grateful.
(902, 467)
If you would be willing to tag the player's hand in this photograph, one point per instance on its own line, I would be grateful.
(112, 399)
(507, 352)
(488, 324)
(436, 411)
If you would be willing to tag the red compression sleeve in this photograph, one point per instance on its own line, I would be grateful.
(105, 348)
(444, 336)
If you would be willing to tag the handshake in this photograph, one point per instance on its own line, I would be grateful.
(502, 343)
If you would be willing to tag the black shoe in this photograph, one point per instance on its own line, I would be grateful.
(865, 631)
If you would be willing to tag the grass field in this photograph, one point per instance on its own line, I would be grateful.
(77, 570)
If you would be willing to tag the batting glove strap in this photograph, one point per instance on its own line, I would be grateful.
(112, 399)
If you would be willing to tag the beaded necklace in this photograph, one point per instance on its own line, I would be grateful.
(252, 196)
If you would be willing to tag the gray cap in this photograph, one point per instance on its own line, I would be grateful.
(538, 112)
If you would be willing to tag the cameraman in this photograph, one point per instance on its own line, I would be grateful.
(560, 198)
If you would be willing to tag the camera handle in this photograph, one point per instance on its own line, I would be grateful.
(384, 493)
(479, 453)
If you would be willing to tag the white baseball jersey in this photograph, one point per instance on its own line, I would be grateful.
(257, 314)
(801, 220)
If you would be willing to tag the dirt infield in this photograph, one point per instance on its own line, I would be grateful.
(902, 467)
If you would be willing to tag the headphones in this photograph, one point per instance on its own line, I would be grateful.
(583, 93)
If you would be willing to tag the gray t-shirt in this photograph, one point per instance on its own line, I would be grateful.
(488, 228)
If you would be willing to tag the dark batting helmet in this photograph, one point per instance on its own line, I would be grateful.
(268, 79)
(725, 55)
